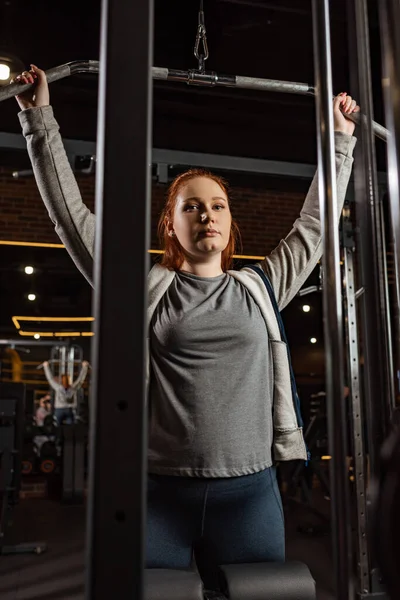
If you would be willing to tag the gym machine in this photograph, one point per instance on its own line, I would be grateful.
(111, 515)
(258, 581)
(63, 452)
(191, 77)
(12, 403)
(386, 501)
(65, 363)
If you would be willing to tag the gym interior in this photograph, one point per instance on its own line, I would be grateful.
(144, 94)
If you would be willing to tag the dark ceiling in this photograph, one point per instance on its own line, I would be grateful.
(257, 38)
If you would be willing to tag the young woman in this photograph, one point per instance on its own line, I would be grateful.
(221, 407)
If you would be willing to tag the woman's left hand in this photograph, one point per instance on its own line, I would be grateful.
(344, 105)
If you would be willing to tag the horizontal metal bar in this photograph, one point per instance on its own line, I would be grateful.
(15, 141)
(5, 342)
(233, 163)
(191, 77)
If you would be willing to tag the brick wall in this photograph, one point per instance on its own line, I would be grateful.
(264, 216)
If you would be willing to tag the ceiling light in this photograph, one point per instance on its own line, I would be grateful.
(10, 66)
(29, 270)
(306, 308)
(5, 72)
(31, 297)
(37, 336)
(313, 340)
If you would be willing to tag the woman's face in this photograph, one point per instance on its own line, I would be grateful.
(202, 218)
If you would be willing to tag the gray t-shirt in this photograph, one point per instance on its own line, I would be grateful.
(210, 405)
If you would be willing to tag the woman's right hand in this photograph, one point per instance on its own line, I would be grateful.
(38, 95)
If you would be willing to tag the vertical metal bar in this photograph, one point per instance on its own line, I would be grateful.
(392, 360)
(389, 16)
(116, 511)
(333, 320)
(357, 421)
(377, 373)
(71, 364)
(371, 187)
(63, 360)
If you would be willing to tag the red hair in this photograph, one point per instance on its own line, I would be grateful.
(174, 255)
(65, 381)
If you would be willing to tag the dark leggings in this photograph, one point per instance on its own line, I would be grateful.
(65, 415)
(224, 521)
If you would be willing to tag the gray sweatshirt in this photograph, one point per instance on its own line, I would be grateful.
(287, 267)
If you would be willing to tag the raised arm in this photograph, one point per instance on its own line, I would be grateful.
(74, 223)
(81, 377)
(293, 260)
(50, 377)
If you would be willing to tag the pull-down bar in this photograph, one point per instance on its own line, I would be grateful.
(191, 78)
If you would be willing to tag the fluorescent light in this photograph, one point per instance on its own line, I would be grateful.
(16, 320)
(4, 72)
(31, 297)
(29, 270)
(313, 340)
(306, 308)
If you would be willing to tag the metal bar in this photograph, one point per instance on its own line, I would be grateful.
(333, 319)
(116, 511)
(359, 455)
(191, 77)
(391, 316)
(388, 11)
(233, 163)
(183, 157)
(376, 337)
(19, 342)
(180, 157)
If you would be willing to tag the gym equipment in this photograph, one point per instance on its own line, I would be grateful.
(268, 581)
(389, 16)
(168, 584)
(254, 581)
(120, 22)
(29, 425)
(12, 400)
(385, 516)
(65, 359)
(62, 450)
(302, 475)
(48, 457)
(28, 457)
(190, 77)
(74, 438)
(49, 425)
(27, 466)
(47, 466)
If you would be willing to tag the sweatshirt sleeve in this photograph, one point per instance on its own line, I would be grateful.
(74, 222)
(293, 260)
(50, 378)
(80, 379)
